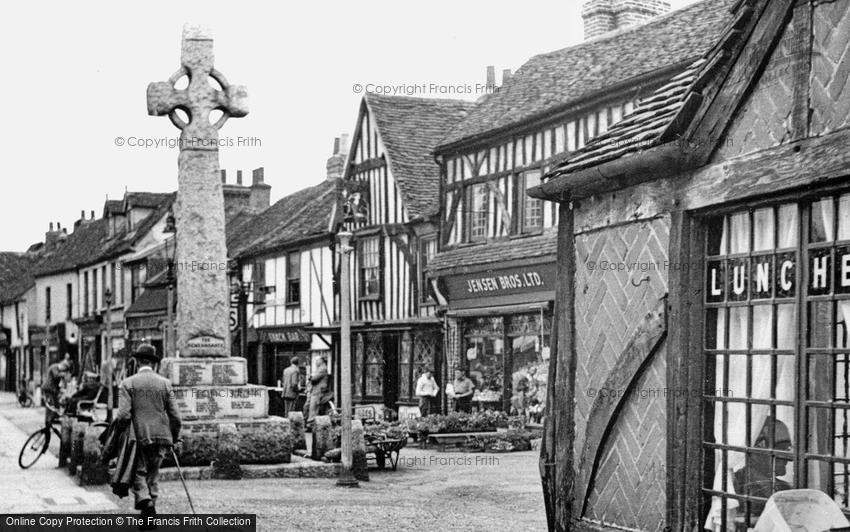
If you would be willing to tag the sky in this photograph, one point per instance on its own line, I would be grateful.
(75, 128)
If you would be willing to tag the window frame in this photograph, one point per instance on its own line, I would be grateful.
(293, 282)
(362, 293)
(687, 464)
(522, 203)
(425, 295)
(469, 194)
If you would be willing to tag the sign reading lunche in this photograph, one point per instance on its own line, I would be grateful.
(769, 276)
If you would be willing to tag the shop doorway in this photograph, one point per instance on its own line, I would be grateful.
(392, 345)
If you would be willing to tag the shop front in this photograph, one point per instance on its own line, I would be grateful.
(386, 364)
(499, 323)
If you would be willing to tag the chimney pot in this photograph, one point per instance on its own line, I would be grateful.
(343, 144)
(336, 146)
(491, 77)
(83, 214)
(51, 226)
(258, 176)
(506, 76)
(92, 215)
(238, 177)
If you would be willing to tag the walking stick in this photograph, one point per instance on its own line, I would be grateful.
(183, 480)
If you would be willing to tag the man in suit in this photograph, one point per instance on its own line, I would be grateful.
(291, 385)
(320, 391)
(148, 401)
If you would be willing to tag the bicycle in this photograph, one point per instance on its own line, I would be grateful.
(39, 441)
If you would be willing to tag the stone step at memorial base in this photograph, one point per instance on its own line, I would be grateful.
(227, 371)
(222, 402)
(265, 440)
(298, 468)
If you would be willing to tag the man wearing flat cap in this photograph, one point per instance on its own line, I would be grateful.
(148, 401)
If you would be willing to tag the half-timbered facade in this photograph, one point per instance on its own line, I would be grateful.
(392, 183)
(701, 312)
(496, 268)
(286, 264)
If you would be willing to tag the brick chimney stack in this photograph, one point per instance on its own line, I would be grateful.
(604, 16)
(53, 237)
(261, 193)
(336, 162)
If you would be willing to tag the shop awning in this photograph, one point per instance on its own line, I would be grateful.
(498, 310)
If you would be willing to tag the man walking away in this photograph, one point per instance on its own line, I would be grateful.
(426, 390)
(291, 385)
(148, 401)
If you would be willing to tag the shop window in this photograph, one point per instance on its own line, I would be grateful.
(293, 278)
(69, 301)
(484, 352)
(370, 267)
(529, 348)
(478, 214)
(769, 270)
(532, 208)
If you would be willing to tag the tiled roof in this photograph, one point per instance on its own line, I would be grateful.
(304, 214)
(153, 299)
(410, 129)
(151, 200)
(499, 251)
(642, 128)
(112, 207)
(663, 116)
(86, 241)
(555, 80)
(15, 275)
(124, 241)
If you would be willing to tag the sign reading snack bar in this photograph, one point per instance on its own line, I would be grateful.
(769, 276)
(291, 335)
(502, 282)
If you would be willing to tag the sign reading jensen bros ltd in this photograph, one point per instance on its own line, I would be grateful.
(502, 282)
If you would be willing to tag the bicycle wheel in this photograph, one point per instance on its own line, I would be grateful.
(25, 401)
(35, 446)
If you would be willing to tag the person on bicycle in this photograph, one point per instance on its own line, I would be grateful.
(56, 373)
(147, 400)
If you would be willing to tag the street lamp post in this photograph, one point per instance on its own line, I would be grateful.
(346, 477)
(170, 340)
(107, 355)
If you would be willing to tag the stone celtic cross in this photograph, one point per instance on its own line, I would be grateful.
(203, 295)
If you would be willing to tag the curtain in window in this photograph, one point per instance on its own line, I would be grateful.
(736, 233)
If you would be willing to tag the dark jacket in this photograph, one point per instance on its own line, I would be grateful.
(291, 378)
(148, 400)
(119, 444)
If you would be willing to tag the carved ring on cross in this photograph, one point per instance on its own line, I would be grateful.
(181, 124)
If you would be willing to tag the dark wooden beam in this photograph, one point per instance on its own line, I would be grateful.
(805, 163)
(752, 55)
(369, 164)
(606, 407)
(556, 451)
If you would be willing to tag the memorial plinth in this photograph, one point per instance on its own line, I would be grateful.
(226, 420)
